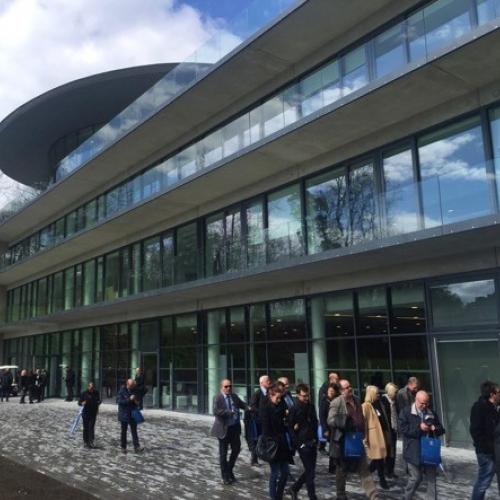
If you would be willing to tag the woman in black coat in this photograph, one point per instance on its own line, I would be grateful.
(273, 426)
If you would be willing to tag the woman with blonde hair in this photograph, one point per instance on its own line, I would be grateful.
(375, 441)
(389, 405)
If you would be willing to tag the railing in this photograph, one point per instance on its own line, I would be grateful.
(415, 40)
(226, 39)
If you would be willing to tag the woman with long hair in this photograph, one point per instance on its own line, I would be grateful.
(273, 426)
(375, 441)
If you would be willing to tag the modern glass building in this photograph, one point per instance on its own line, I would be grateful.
(317, 189)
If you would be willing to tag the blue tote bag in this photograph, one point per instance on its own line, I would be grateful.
(137, 416)
(353, 445)
(321, 437)
(430, 451)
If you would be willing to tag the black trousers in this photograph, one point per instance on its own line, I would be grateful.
(308, 455)
(4, 393)
(133, 430)
(232, 440)
(88, 427)
(69, 390)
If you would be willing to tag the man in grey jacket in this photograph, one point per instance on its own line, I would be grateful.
(345, 415)
(227, 428)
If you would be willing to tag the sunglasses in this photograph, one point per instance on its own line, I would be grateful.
(227, 386)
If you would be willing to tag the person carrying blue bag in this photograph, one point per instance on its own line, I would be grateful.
(347, 427)
(129, 414)
(421, 428)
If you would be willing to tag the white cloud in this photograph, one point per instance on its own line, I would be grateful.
(46, 43)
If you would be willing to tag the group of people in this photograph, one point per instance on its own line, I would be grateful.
(279, 427)
(31, 383)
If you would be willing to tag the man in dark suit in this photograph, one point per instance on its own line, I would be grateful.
(227, 428)
(254, 426)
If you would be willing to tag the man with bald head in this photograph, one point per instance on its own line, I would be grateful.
(417, 421)
(128, 400)
(255, 422)
(227, 428)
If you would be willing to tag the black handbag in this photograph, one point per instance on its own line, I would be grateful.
(267, 447)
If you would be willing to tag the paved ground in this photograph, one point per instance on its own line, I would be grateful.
(179, 462)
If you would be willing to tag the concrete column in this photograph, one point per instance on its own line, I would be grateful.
(319, 361)
(213, 354)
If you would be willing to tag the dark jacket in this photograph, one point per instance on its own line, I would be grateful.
(497, 452)
(223, 414)
(324, 407)
(7, 380)
(256, 402)
(409, 424)
(92, 401)
(70, 378)
(24, 382)
(125, 404)
(404, 399)
(484, 418)
(322, 392)
(273, 425)
(303, 415)
(140, 387)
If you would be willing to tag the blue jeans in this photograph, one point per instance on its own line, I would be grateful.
(485, 475)
(277, 479)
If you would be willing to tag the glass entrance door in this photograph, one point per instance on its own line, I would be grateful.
(463, 365)
(150, 370)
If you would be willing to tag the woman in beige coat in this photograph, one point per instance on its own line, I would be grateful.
(375, 441)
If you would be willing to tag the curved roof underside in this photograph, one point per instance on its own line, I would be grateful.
(27, 134)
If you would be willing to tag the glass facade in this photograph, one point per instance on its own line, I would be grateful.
(301, 338)
(346, 205)
(369, 335)
(419, 37)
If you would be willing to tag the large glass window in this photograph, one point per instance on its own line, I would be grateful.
(214, 245)
(69, 288)
(401, 192)
(372, 306)
(112, 276)
(58, 291)
(89, 282)
(453, 171)
(374, 361)
(152, 264)
(254, 215)
(284, 210)
(187, 259)
(408, 309)
(287, 320)
(168, 259)
(456, 305)
(362, 203)
(327, 211)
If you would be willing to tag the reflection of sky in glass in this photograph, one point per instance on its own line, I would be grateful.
(456, 161)
(446, 21)
(284, 213)
(470, 291)
(400, 192)
(495, 136)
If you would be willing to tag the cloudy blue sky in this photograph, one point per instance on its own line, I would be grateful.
(46, 43)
